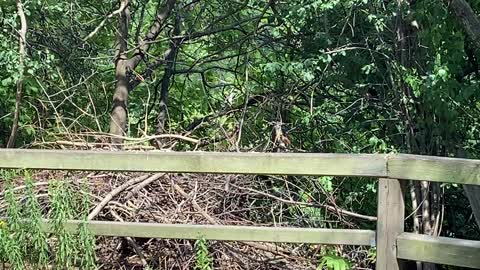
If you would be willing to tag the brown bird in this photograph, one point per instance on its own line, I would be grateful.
(279, 139)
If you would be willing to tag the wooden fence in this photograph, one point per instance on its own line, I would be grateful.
(393, 244)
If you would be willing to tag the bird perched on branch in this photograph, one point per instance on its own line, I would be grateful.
(279, 139)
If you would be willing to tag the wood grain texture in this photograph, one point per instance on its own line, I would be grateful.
(198, 162)
(435, 169)
(390, 222)
(439, 250)
(400, 166)
(226, 233)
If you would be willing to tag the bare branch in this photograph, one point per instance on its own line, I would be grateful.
(114, 193)
(21, 67)
(170, 59)
(123, 5)
(153, 33)
(334, 209)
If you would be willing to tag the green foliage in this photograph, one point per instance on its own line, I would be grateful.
(62, 210)
(331, 261)
(86, 240)
(331, 72)
(38, 247)
(372, 255)
(203, 261)
(24, 243)
(14, 244)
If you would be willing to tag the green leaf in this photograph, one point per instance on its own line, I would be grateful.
(6, 81)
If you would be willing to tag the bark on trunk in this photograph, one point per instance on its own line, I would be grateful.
(125, 68)
(422, 193)
(118, 121)
(415, 197)
(21, 69)
(170, 60)
(119, 116)
(467, 17)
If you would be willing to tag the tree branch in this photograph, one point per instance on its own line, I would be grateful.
(468, 18)
(152, 34)
(21, 67)
(123, 5)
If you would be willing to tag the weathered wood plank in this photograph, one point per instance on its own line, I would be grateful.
(390, 222)
(435, 169)
(198, 162)
(400, 166)
(227, 233)
(439, 250)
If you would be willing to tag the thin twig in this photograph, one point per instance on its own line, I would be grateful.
(195, 204)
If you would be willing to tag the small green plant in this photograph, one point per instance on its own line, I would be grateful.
(331, 261)
(3, 241)
(372, 255)
(23, 241)
(86, 241)
(203, 261)
(37, 239)
(10, 251)
(62, 210)
(14, 241)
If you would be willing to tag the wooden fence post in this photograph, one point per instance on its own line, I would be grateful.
(390, 223)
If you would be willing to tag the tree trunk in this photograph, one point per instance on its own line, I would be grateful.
(467, 17)
(170, 63)
(21, 69)
(119, 116)
(471, 23)
(125, 67)
(472, 192)
(118, 122)
(423, 194)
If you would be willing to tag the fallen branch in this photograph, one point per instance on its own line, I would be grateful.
(266, 247)
(143, 184)
(195, 204)
(114, 193)
(143, 139)
(328, 207)
(131, 242)
(90, 145)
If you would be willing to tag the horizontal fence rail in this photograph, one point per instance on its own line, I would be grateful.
(395, 166)
(441, 250)
(226, 233)
(197, 162)
(434, 169)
